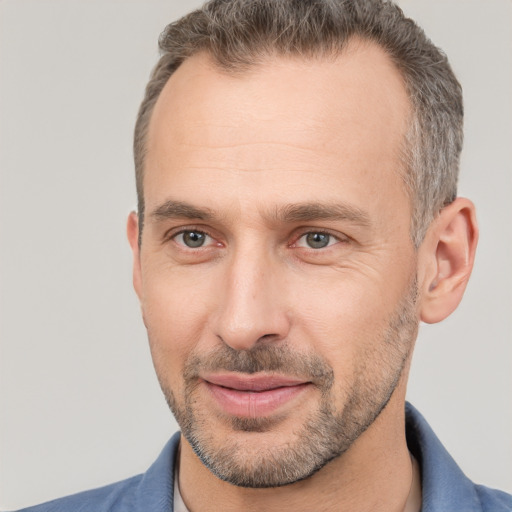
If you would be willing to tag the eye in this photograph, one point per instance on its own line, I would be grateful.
(192, 238)
(316, 240)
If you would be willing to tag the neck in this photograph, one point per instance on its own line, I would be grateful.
(375, 474)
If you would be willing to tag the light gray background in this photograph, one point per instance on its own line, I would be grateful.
(80, 406)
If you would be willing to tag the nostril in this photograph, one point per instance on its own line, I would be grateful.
(267, 337)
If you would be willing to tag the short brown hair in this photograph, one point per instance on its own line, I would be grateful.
(237, 34)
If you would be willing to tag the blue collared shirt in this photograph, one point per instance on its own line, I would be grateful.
(445, 488)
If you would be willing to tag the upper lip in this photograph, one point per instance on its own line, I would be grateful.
(256, 382)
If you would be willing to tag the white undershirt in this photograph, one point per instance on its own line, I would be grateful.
(179, 506)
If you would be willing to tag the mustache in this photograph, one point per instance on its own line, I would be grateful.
(268, 358)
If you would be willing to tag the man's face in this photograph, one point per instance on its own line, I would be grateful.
(276, 271)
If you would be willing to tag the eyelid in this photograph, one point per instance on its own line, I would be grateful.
(179, 239)
(174, 232)
(302, 232)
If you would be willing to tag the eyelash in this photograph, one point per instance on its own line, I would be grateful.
(338, 239)
(173, 235)
(304, 234)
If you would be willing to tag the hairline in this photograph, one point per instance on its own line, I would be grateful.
(406, 148)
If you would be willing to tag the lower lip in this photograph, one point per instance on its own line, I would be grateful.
(254, 404)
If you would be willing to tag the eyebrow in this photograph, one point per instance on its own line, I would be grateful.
(290, 213)
(304, 212)
(181, 210)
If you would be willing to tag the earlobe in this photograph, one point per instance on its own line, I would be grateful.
(132, 230)
(449, 253)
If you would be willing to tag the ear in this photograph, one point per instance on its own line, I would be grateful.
(447, 255)
(132, 230)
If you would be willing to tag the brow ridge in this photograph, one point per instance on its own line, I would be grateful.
(180, 210)
(304, 212)
(289, 213)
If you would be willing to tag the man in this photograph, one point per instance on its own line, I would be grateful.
(296, 172)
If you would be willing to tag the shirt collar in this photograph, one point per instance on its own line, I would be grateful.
(444, 485)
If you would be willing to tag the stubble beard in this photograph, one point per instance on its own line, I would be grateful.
(324, 435)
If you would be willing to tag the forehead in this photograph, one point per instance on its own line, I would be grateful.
(287, 122)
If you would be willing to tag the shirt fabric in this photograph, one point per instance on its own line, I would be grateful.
(445, 488)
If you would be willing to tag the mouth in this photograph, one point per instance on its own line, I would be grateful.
(253, 396)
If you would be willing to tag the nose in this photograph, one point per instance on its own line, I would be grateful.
(252, 303)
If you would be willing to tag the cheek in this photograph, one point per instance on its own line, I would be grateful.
(345, 322)
(175, 310)
(345, 309)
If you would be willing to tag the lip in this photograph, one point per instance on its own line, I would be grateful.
(253, 396)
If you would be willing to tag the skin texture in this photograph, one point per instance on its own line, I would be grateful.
(257, 167)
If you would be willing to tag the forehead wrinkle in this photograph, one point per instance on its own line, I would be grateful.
(303, 212)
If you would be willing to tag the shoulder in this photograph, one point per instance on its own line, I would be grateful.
(493, 500)
(109, 498)
(444, 485)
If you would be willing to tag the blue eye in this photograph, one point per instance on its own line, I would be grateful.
(192, 239)
(316, 240)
